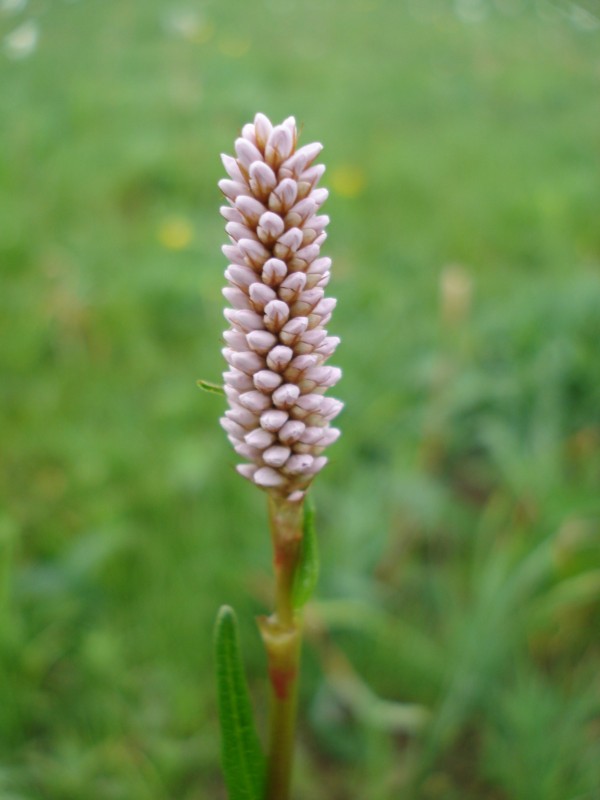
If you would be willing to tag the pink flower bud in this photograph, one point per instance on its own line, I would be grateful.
(274, 271)
(279, 357)
(270, 226)
(262, 130)
(232, 189)
(231, 214)
(237, 231)
(262, 181)
(240, 276)
(261, 341)
(236, 297)
(276, 315)
(279, 145)
(243, 319)
(276, 456)
(268, 478)
(238, 380)
(250, 208)
(271, 420)
(247, 362)
(285, 396)
(253, 252)
(232, 168)
(236, 340)
(291, 431)
(246, 152)
(261, 295)
(258, 438)
(292, 286)
(283, 196)
(255, 401)
(266, 381)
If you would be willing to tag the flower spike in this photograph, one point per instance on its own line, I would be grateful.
(277, 344)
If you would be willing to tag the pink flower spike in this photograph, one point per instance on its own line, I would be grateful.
(278, 416)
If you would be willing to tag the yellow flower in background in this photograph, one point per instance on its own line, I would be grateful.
(175, 233)
(203, 34)
(234, 46)
(348, 180)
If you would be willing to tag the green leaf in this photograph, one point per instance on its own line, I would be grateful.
(307, 572)
(242, 758)
(213, 388)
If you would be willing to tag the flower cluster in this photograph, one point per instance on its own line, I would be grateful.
(277, 343)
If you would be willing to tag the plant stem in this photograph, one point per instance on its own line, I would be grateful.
(282, 635)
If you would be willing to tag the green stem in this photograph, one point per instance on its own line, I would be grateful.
(282, 635)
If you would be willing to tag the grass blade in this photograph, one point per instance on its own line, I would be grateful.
(242, 758)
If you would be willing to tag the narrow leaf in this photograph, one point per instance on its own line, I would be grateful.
(241, 754)
(307, 572)
(213, 388)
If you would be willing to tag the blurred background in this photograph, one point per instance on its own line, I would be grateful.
(453, 651)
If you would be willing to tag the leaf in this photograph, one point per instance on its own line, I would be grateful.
(213, 388)
(242, 758)
(307, 572)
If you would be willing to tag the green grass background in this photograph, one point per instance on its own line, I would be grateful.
(459, 516)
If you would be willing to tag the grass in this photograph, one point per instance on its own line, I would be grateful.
(459, 517)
